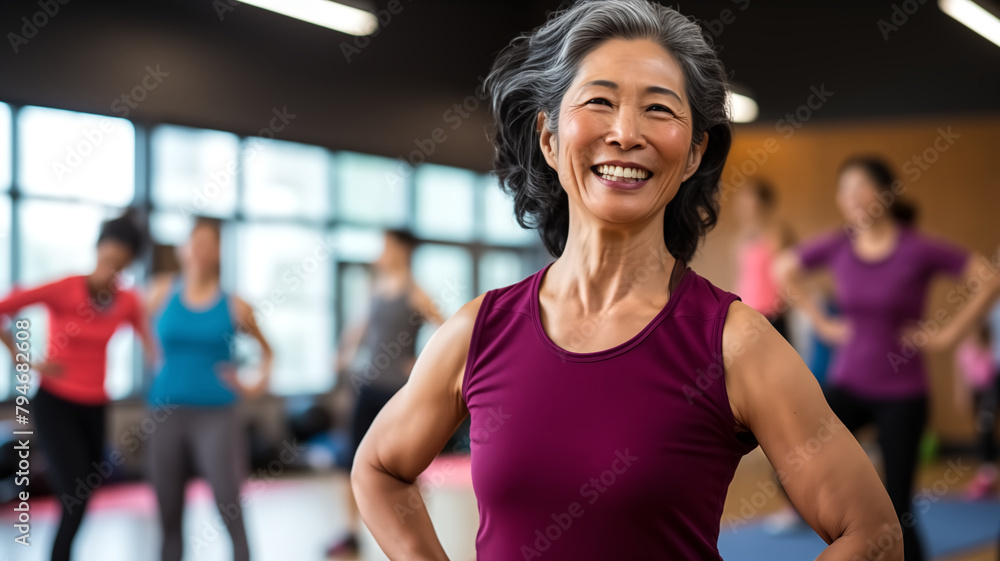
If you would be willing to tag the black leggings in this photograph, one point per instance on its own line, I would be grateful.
(900, 424)
(371, 400)
(71, 436)
(985, 404)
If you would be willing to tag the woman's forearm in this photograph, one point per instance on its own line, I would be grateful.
(869, 547)
(790, 278)
(974, 310)
(394, 512)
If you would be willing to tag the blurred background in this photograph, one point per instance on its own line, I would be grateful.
(309, 142)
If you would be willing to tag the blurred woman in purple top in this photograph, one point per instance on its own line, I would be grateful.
(882, 268)
(613, 392)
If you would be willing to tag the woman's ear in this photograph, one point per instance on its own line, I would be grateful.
(694, 157)
(547, 140)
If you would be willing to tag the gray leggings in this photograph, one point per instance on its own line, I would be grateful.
(209, 440)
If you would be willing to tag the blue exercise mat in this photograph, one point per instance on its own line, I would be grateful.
(946, 527)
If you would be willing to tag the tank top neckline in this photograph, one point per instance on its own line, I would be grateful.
(536, 319)
(405, 292)
(200, 309)
(901, 236)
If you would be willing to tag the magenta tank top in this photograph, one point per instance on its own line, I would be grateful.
(624, 453)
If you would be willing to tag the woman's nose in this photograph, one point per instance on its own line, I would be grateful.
(626, 131)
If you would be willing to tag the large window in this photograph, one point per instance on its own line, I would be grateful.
(303, 227)
(76, 156)
(445, 273)
(285, 273)
(445, 203)
(286, 179)
(499, 224)
(194, 171)
(372, 190)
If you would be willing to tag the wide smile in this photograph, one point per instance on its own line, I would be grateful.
(621, 177)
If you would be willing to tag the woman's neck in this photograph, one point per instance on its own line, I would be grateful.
(878, 230)
(201, 280)
(604, 266)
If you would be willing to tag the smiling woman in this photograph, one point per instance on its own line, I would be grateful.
(529, 86)
(612, 394)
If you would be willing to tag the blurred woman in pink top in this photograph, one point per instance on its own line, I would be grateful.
(762, 236)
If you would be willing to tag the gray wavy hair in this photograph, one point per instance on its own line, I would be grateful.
(533, 73)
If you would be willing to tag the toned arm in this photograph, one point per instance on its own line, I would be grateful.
(833, 485)
(406, 436)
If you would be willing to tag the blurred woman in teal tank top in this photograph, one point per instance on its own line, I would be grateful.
(196, 390)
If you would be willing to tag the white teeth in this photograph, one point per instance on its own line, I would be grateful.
(618, 172)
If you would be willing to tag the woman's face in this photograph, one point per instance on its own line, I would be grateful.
(857, 197)
(624, 141)
(202, 249)
(394, 253)
(112, 258)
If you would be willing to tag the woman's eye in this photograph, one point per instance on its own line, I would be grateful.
(599, 100)
(659, 107)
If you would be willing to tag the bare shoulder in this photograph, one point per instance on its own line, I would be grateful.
(757, 360)
(158, 289)
(241, 305)
(746, 331)
(448, 348)
(161, 282)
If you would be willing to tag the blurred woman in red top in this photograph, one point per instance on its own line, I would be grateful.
(69, 408)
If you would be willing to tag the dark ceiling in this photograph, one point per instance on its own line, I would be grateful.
(231, 71)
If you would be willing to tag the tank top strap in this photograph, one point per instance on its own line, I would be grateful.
(176, 284)
(173, 296)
